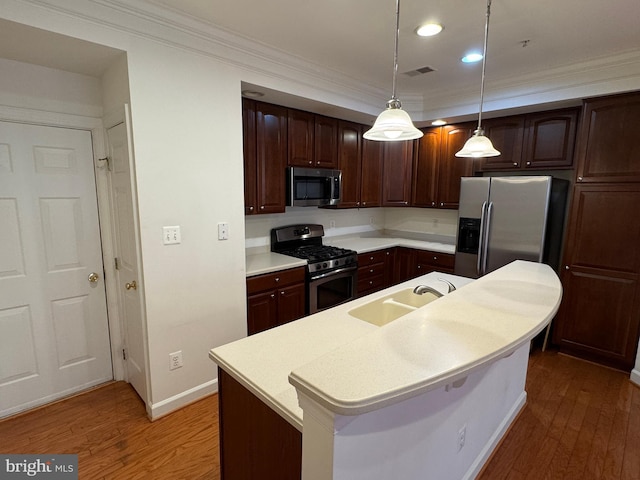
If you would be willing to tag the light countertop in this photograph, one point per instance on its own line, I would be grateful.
(268, 262)
(352, 367)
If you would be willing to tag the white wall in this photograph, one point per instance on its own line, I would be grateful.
(186, 117)
(432, 221)
(347, 222)
(40, 88)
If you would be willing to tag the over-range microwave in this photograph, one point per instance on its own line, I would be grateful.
(313, 186)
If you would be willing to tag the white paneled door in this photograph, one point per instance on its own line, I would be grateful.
(127, 278)
(54, 336)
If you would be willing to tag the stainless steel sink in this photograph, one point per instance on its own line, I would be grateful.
(391, 307)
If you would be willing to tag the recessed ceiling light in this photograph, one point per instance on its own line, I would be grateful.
(437, 123)
(472, 57)
(429, 29)
(252, 94)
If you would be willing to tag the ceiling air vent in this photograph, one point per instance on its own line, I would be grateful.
(419, 71)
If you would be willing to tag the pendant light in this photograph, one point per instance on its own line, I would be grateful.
(393, 124)
(478, 145)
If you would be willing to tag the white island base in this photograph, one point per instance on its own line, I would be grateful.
(447, 433)
(427, 396)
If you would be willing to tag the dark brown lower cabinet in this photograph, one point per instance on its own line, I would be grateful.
(274, 299)
(255, 442)
(599, 318)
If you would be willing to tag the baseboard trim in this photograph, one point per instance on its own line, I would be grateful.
(496, 438)
(171, 404)
(635, 376)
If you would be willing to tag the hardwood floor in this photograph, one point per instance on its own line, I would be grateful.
(109, 430)
(582, 421)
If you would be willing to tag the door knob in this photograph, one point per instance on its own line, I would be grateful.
(131, 286)
(93, 277)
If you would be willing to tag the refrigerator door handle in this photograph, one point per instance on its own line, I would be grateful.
(485, 241)
(481, 239)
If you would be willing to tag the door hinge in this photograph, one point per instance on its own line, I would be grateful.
(117, 264)
(104, 162)
(124, 354)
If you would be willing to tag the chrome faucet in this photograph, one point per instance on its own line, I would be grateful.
(422, 289)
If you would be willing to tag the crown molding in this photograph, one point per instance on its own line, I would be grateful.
(174, 29)
(261, 64)
(598, 76)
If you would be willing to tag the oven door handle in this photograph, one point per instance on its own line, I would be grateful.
(333, 272)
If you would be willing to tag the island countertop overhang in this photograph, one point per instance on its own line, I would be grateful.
(436, 345)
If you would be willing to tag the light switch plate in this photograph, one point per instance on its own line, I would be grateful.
(171, 235)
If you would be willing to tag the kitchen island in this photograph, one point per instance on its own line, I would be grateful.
(428, 395)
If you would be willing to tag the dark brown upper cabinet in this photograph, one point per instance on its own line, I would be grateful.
(550, 139)
(313, 140)
(301, 134)
(371, 178)
(507, 135)
(425, 164)
(397, 172)
(608, 149)
(536, 141)
(450, 167)
(326, 142)
(265, 157)
(350, 162)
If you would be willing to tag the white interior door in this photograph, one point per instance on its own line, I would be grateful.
(54, 335)
(128, 280)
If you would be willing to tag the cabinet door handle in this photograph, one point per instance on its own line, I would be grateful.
(515, 164)
(277, 279)
(566, 267)
(529, 163)
(261, 207)
(273, 295)
(579, 179)
(371, 271)
(442, 204)
(251, 208)
(282, 292)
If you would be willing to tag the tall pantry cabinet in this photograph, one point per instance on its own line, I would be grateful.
(599, 318)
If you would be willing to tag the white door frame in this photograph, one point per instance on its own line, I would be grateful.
(95, 126)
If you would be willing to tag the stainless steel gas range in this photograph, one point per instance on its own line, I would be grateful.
(331, 271)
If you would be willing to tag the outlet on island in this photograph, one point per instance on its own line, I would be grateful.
(175, 360)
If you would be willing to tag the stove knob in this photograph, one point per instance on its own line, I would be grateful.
(318, 266)
(324, 264)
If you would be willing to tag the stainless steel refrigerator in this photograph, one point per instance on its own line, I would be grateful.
(502, 219)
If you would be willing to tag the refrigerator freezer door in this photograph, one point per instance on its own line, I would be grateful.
(516, 229)
(474, 193)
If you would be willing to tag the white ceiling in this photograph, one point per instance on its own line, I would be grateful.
(354, 38)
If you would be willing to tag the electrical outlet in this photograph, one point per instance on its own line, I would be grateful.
(372, 221)
(462, 436)
(175, 360)
(223, 231)
(332, 224)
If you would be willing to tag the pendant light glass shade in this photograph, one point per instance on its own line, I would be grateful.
(479, 146)
(393, 124)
